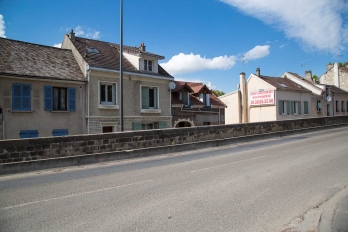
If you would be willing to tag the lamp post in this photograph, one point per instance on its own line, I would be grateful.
(121, 71)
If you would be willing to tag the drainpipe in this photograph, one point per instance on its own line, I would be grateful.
(88, 94)
(3, 129)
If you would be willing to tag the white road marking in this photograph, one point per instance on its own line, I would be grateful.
(222, 165)
(73, 195)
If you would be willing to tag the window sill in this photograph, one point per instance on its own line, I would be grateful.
(296, 114)
(151, 111)
(109, 107)
(21, 111)
(60, 111)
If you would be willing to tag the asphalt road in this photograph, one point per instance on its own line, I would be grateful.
(257, 186)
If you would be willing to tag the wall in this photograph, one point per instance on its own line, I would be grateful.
(233, 110)
(293, 96)
(340, 98)
(197, 116)
(44, 148)
(328, 78)
(38, 118)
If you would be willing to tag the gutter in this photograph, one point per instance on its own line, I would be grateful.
(88, 95)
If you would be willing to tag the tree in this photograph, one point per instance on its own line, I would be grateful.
(218, 93)
(343, 64)
(316, 79)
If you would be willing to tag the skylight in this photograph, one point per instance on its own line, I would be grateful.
(92, 50)
(282, 85)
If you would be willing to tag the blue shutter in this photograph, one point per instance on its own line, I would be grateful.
(60, 132)
(72, 99)
(24, 134)
(162, 125)
(155, 92)
(16, 97)
(145, 99)
(288, 107)
(299, 108)
(26, 97)
(48, 98)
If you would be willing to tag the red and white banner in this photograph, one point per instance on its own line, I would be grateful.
(261, 97)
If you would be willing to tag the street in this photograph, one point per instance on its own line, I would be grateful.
(256, 186)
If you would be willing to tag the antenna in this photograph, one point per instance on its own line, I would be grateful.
(304, 63)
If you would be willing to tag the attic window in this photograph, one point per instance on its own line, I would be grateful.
(282, 85)
(92, 50)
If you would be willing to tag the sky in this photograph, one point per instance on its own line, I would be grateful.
(201, 40)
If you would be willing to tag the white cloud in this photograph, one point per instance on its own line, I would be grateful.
(256, 53)
(2, 27)
(316, 24)
(57, 45)
(186, 63)
(89, 33)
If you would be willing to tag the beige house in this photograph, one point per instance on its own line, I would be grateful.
(263, 98)
(335, 75)
(146, 94)
(42, 91)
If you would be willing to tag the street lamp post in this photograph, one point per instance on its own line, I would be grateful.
(121, 71)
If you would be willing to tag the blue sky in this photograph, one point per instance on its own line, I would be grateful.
(202, 40)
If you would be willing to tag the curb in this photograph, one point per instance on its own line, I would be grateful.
(27, 166)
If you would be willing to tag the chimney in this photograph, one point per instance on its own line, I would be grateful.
(308, 75)
(329, 66)
(244, 100)
(72, 35)
(142, 47)
(258, 72)
(336, 75)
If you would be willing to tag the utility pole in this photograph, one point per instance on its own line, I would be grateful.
(121, 71)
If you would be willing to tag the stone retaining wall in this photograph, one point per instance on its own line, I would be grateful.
(52, 147)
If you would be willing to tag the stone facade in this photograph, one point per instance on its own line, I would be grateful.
(328, 77)
(44, 148)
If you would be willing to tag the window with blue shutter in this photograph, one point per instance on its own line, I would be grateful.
(136, 126)
(48, 92)
(60, 132)
(21, 97)
(25, 134)
(162, 125)
(72, 99)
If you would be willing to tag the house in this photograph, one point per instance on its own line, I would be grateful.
(146, 95)
(264, 98)
(194, 104)
(327, 100)
(42, 91)
(335, 75)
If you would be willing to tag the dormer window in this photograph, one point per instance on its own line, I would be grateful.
(205, 99)
(92, 50)
(148, 65)
(185, 97)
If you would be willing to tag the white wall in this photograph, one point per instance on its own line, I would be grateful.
(233, 110)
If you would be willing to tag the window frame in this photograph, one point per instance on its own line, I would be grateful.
(108, 105)
(156, 100)
(337, 108)
(148, 65)
(59, 98)
(22, 98)
(319, 106)
(70, 99)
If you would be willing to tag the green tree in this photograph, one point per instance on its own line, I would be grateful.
(316, 79)
(343, 64)
(218, 92)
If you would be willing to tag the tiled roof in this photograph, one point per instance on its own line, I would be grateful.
(32, 60)
(109, 56)
(196, 87)
(345, 69)
(335, 89)
(283, 84)
(301, 78)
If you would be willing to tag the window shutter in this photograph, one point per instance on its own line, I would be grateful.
(72, 99)
(305, 107)
(162, 125)
(136, 126)
(60, 132)
(155, 92)
(288, 107)
(292, 107)
(145, 99)
(299, 107)
(208, 99)
(16, 97)
(34, 133)
(24, 134)
(48, 92)
(26, 100)
(280, 103)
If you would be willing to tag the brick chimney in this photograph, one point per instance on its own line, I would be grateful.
(258, 72)
(142, 47)
(72, 35)
(308, 75)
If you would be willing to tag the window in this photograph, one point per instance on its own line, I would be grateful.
(206, 123)
(21, 97)
(148, 65)
(149, 126)
(92, 50)
(28, 134)
(306, 107)
(185, 97)
(295, 107)
(149, 97)
(60, 132)
(60, 99)
(284, 107)
(318, 106)
(107, 93)
(337, 107)
(108, 129)
(342, 106)
(205, 98)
